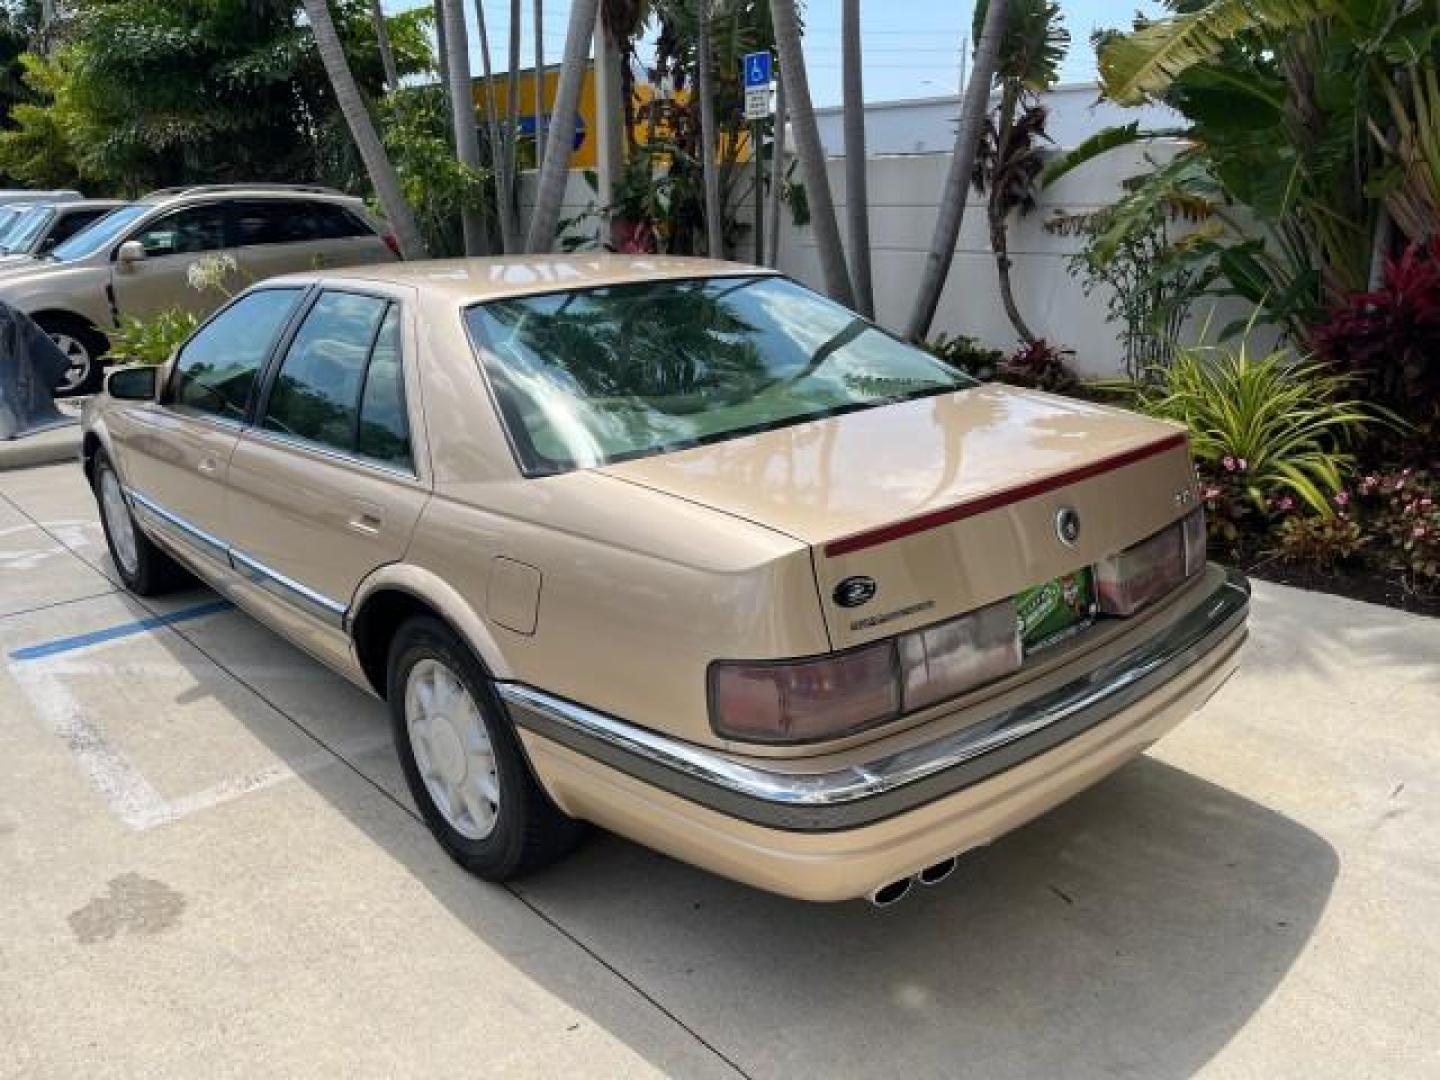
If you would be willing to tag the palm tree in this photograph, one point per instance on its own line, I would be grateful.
(777, 177)
(539, 82)
(857, 199)
(550, 189)
(467, 145)
(504, 181)
(382, 40)
(1008, 163)
(705, 80)
(973, 110)
(362, 130)
(807, 145)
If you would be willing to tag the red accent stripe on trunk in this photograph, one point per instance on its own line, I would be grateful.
(935, 519)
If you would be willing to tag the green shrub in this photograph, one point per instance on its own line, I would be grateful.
(967, 355)
(1279, 425)
(152, 340)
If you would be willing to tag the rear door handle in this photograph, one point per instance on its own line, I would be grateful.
(367, 519)
(209, 466)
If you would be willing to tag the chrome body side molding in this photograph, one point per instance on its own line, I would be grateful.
(316, 605)
(886, 786)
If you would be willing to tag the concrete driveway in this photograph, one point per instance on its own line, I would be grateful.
(209, 866)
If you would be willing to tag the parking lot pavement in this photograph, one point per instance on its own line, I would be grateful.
(210, 867)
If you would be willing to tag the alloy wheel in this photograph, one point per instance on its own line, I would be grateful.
(451, 745)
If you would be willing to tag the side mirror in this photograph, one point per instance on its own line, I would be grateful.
(130, 253)
(138, 383)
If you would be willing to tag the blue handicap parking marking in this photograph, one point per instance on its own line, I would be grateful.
(138, 626)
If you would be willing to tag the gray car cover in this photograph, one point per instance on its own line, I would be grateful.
(30, 367)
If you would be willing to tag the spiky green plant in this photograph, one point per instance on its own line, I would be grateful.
(1286, 425)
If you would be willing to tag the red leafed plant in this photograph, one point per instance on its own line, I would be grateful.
(1041, 366)
(1390, 338)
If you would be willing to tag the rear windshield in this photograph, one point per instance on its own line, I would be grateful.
(602, 375)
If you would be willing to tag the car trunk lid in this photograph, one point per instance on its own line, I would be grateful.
(926, 509)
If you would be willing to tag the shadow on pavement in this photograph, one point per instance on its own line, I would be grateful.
(1133, 930)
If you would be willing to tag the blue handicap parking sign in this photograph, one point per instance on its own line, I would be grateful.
(757, 69)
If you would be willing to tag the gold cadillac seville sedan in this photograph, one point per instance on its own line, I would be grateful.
(679, 548)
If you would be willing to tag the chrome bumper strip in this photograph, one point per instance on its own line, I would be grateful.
(862, 794)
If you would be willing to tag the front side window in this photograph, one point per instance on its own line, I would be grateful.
(192, 230)
(216, 369)
(316, 396)
(589, 377)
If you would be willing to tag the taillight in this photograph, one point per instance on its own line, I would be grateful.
(806, 700)
(392, 243)
(1144, 572)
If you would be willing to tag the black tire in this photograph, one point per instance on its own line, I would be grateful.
(69, 328)
(529, 831)
(154, 572)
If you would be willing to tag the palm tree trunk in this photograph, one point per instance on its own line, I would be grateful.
(539, 83)
(811, 154)
(382, 41)
(777, 177)
(705, 80)
(998, 216)
(550, 189)
(857, 199)
(962, 163)
(362, 129)
(467, 145)
(512, 118)
(443, 69)
(504, 188)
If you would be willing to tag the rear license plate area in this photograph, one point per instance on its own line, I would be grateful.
(1055, 611)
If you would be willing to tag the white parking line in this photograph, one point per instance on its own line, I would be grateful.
(129, 795)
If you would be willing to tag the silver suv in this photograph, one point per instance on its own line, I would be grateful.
(135, 261)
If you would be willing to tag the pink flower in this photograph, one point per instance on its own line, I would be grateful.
(1212, 493)
(1286, 504)
(1419, 531)
(1228, 462)
(1243, 464)
(1342, 498)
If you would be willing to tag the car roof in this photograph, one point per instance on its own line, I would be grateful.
(467, 280)
(221, 192)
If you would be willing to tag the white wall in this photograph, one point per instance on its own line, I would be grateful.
(904, 193)
(927, 125)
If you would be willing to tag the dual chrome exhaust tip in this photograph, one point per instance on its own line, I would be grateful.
(891, 894)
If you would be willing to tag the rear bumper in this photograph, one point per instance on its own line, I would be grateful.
(842, 832)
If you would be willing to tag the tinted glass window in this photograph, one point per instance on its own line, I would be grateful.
(107, 229)
(293, 221)
(197, 228)
(217, 367)
(317, 392)
(71, 224)
(583, 378)
(384, 427)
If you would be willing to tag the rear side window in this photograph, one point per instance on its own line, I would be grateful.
(293, 221)
(384, 428)
(340, 384)
(216, 369)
